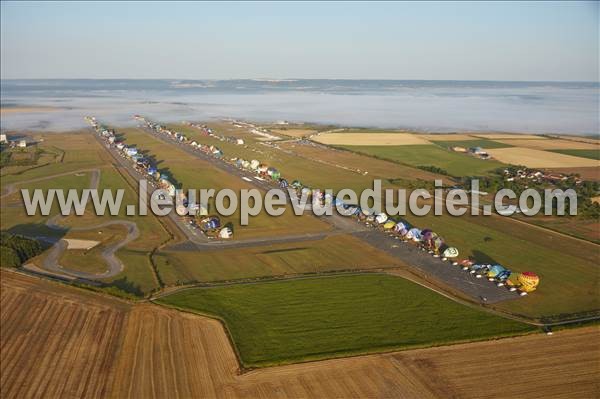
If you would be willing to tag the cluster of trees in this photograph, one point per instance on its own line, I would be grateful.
(434, 169)
(16, 249)
(585, 190)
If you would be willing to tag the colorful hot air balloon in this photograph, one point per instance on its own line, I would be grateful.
(390, 224)
(494, 271)
(528, 281)
(416, 234)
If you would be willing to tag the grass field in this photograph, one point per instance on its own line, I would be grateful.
(430, 155)
(591, 154)
(340, 252)
(483, 143)
(90, 260)
(309, 319)
(568, 270)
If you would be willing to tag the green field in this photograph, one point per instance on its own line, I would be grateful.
(483, 143)
(332, 253)
(299, 320)
(591, 154)
(568, 269)
(455, 164)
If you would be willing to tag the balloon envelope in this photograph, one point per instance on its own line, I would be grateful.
(450, 252)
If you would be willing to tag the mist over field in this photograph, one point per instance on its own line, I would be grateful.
(528, 107)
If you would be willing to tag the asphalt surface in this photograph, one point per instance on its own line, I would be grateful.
(438, 269)
(479, 289)
(115, 266)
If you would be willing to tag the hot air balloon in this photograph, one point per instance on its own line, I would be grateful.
(225, 233)
(528, 282)
(450, 252)
(494, 271)
(426, 234)
(381, 218)
(390, 224)
(415, 233)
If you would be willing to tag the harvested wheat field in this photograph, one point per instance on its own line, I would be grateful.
(56, 341)
(539, 159)
(371, 139)
(59, 341)
(550, 144)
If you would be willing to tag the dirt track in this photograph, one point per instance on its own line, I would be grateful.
(50, 262)
(58, 341)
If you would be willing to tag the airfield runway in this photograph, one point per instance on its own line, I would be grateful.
(479, 290)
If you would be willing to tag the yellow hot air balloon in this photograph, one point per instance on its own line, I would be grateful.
(528, 281)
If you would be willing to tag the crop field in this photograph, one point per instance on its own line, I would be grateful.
(550, 144)
(431, 155)
(191, 172)
(502, 136)
(350, 315)
(375, 138)
(533, 158)
(56, 341)
(448, 137)
(339, 252)
(474, 142)
(125, 351)
(591, 154)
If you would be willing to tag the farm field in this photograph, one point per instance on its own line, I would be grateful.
(533, 158)
(56, 341)
(430, 155)
(501, 136)
(374, 138)
(350, 315)
(339, 252)
(474, 142)
(550, 144)
(448, 137)
(591, 153)
(191, 356)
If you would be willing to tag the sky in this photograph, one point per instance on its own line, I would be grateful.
(540, 41)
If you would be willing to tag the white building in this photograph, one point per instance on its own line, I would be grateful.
(3, 138)
(22, 144)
